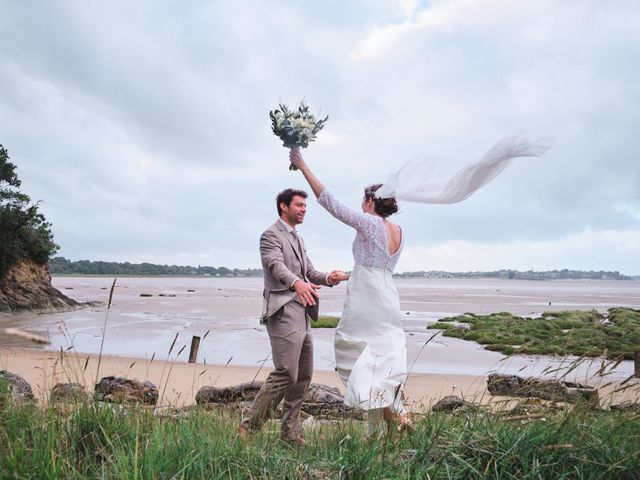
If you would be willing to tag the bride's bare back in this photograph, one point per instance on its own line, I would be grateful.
(378, 242)
(394, 236)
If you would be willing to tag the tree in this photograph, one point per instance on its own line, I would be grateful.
(24, 232)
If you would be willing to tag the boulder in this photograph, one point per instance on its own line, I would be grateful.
(633, 407)
(241, 392)
(320, 401)
(533, 407)
(69, 392)
(324, 402)
(576, 392)
(124, 390)
(449, 404)
(320, 393)
(15, 388)
(499, 384)
(514, 386)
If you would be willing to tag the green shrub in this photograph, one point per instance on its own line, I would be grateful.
(24, 232)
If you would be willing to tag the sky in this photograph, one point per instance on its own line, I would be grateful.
(143, 128)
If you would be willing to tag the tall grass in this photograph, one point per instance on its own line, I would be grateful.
(91, 441)
(95, 440)
(104, 328)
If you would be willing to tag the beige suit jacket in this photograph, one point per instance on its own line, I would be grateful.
(282, 263)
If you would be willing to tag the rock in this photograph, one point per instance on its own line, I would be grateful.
(514, 386)
(69, 392)
(632, 407)
(170, 411)
(332, 411)
(321, 401)
(16, 388)
(575, 392)
(312, 422)
(533, 407)
(242, 392)
(320, 393)
(27, 286)
(124, 390)
(449, 404)
(499, 384)
(327, 403)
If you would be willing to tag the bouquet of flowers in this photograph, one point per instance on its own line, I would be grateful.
(296, 128)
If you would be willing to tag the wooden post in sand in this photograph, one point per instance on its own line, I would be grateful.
(193, 353)
(636, 370)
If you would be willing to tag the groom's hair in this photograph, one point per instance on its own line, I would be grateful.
(286, 196)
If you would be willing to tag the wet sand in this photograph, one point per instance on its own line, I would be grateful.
(139, 327)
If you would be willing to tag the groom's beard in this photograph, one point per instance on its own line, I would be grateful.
(296, 219)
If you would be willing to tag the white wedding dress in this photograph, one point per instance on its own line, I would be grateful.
(370, 345)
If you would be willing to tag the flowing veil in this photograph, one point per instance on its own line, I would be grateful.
(421, 179)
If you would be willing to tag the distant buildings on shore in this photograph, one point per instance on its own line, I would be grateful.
(563, 274)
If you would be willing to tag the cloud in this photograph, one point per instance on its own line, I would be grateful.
(575, 251)
(143, 127)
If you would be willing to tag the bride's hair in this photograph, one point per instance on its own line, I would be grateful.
(383, 206)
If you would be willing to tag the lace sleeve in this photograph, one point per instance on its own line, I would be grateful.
(347, 215)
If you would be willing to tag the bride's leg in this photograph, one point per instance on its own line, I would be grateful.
(397, 418)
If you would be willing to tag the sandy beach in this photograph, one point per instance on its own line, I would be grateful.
(180, 381)
(236, 347)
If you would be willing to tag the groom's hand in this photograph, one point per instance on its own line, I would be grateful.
(306, 292)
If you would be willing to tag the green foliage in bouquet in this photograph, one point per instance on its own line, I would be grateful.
(295, 127)
(24, 232)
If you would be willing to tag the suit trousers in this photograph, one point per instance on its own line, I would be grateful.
(292, 351)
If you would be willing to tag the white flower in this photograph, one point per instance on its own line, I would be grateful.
(296, 128)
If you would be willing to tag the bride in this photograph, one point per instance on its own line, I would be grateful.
(370, 345)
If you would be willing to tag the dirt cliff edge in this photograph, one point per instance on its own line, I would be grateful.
(27, 286)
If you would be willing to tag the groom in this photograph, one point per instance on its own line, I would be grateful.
(290, 298)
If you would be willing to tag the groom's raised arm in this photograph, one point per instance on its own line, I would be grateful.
(273, 260)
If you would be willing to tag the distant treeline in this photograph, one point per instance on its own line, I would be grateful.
(60, 265)
(526, 275)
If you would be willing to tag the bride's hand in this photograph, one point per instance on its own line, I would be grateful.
(295, 156)
(338, 276)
